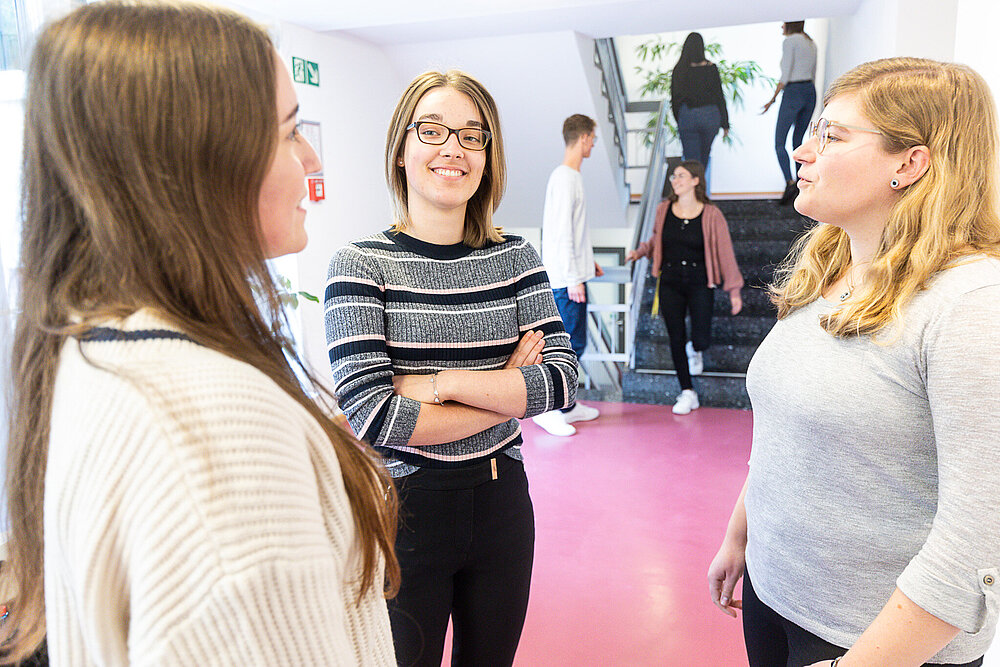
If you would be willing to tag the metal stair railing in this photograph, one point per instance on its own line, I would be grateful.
(602, 347)
(644, 226)
(604, 359)
(613, 88)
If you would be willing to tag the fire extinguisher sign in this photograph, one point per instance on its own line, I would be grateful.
(316, 192)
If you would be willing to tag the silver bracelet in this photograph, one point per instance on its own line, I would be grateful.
(437, 397)
(835, 661)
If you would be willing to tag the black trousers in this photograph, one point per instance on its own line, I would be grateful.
(683, 290)
(465, 546)
(774, 641)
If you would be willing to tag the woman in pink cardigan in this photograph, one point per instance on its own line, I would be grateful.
(692, 254)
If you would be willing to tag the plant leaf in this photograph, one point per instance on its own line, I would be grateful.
(308, 297)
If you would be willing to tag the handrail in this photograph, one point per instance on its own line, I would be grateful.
(644, 226)
(606, 56)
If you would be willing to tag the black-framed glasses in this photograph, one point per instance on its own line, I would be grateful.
(821, 130)
(435, 134)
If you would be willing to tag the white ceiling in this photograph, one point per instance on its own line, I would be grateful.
(404, 21)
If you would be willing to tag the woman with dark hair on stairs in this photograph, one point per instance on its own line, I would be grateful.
(692, 254)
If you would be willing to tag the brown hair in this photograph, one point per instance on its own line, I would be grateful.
(479, 229)
(575, 126)
(950, 212)
(796, 27)
(695, 168)
(149, 129)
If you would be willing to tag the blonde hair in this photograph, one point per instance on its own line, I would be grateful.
(950, 212)
(149, 130)
(479, 229)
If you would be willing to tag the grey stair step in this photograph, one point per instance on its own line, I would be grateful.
(660, 389)
(751, 252)
(756, 302)
(762, 234)
(739, 330)
(749, 208)
(720, 358)
(767, 230)
(730, 330)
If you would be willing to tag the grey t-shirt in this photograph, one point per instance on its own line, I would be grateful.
(876, 464)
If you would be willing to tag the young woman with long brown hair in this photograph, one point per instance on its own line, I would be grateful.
(867, 532)
(175, 494)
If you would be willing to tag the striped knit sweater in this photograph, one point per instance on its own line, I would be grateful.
(195, 514)
(398, 305)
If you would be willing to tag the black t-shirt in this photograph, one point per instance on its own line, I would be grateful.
(683, 239)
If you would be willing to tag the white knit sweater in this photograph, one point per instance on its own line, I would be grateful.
(196, 514)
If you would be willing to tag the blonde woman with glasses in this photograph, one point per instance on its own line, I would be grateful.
(443, 332)
(867, 532)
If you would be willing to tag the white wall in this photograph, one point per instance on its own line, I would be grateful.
(11, 130)
(926, 29)
(887, 28)
(358, 90)
(869, 34)
(975, 32)
(748, 165)
(537, 81)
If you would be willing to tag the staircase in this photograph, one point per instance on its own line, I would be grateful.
(762, 234)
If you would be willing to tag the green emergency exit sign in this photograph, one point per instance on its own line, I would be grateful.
(305, 71)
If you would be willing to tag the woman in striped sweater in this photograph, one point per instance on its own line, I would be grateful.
(442, 333)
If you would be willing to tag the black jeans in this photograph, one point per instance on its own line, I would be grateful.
(685, 289)
(465, 546)
(774, 641)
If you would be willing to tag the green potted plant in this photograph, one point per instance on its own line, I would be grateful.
(661, 54)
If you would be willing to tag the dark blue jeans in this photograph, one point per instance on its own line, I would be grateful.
(798, 100)
(697, 128)
(574, 317)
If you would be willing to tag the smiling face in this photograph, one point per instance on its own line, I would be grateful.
(682, 181)
(849, 184)
(442, 179)
(282, 218)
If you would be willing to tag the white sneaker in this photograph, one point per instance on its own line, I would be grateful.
(554, 421)
(696, 365)
(686, 402)
(581, 413)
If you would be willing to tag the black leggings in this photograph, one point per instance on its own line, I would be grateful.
(774, 641)
(684, 290)
(465, 553)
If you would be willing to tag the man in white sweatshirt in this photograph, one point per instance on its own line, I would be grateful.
(568, 255)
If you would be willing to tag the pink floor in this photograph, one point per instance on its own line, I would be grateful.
(629, 513)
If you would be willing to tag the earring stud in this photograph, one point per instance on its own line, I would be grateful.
(894, 184)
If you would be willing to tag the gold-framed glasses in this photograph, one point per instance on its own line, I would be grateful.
(821, 131)
(435, 134)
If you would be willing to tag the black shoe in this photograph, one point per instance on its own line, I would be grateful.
(791, 192)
